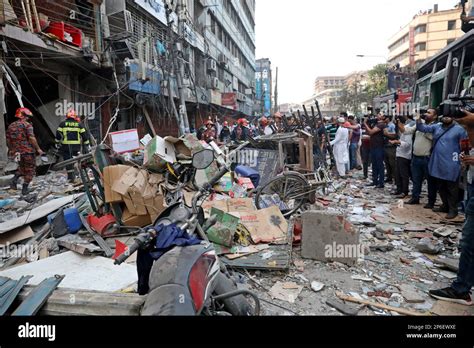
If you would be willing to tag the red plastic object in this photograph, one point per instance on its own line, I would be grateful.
(297, 232)
(120, 248)
(60, 29)
(100, 224)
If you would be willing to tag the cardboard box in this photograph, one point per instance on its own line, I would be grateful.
(158, 152)
(131, 220)
(179, 147)
(125, 141)
(122, 185)
(111, 175)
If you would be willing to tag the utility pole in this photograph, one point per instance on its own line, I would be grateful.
(276, 108)
(178, 67)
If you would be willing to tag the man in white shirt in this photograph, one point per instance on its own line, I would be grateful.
(340, 148)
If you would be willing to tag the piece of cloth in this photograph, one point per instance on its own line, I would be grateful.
(420, 173)
(340, 149)
(449, 193)
(444, 161)
(27, 167)
(465, 278)
(390, 160)
(378, 168)
(405, 148)
(403, 175)
(18, 137)
(423, 141)
(169, 237)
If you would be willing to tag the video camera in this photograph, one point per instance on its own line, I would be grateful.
(454, 106)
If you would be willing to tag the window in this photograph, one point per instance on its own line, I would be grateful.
(420, 29)
(451, 25)
(420, 47)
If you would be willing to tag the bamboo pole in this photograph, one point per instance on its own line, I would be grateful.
(35, 12)
(379, 305)
(30, 19)
(25, 14)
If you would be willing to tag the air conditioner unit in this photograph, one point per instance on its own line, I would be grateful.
(211, 65)
(223, 59)
(241, 96)
(214, 83)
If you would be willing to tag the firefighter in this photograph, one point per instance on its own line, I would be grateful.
(210, 132)
(23, 145)
(241, 132)
(71, 136)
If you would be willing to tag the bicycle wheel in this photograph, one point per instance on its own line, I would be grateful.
(288, 192)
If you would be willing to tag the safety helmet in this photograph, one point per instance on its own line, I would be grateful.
(264, 121)
(72, 114)
(242, 122)
(22, 112)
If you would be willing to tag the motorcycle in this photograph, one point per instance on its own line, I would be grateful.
(187, 280)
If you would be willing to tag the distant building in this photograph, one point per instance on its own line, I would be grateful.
(426, 34)
(323, 83)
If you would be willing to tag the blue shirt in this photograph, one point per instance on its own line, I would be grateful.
(444, 163)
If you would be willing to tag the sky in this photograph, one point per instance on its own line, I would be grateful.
(310, 38)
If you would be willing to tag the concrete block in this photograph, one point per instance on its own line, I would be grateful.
(329, 236)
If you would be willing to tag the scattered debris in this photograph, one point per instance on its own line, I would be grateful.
(285, 291)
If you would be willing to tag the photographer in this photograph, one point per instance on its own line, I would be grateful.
(421, 157)
(403, 158)
(444, 163)
(459, 291)
(376, 133)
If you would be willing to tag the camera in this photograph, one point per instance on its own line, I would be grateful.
(454, 106)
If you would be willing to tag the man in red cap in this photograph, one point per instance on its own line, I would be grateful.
(210, 132)
(22, 142)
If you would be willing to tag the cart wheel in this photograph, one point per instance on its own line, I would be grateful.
(288, 191)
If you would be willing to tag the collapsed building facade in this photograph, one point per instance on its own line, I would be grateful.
(116, 61)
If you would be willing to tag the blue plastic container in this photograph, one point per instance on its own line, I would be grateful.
(73, 220)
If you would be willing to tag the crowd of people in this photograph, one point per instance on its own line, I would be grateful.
(401, 150)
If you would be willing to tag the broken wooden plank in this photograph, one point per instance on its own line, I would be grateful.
(378, 305)
(78, 245)
(70, 302)
(16, 235)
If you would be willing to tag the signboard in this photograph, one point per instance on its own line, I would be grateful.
(151, 86)
(216, 97)
(229, 99)
(263, 89)
(265, 162)
(154, 7)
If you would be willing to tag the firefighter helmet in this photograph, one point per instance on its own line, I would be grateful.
(22, 112)
(72, 114)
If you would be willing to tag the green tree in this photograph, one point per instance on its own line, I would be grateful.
(377, 81)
